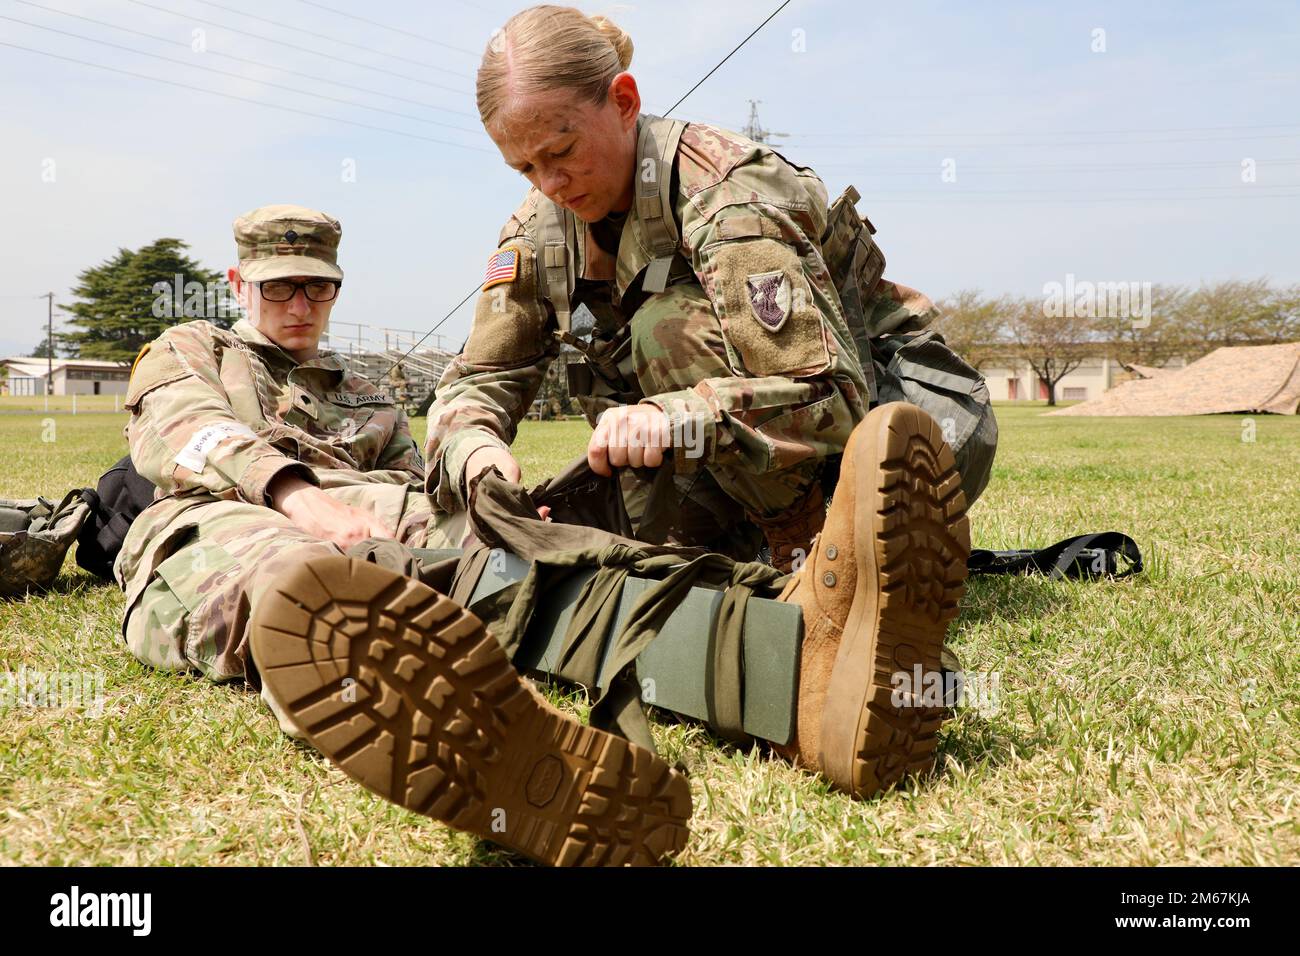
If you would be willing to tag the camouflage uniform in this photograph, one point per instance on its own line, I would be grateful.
(746, 347)
(216, 416)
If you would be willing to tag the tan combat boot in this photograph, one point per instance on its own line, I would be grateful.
(790, 535)
(877, 592)
(409, 695)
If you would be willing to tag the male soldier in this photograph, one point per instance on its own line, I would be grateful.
(267, 453)
(259, 446)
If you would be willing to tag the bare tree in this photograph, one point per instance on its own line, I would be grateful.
(1053, 345)
(1279, 321)
(975, 326)
(1225, 313)
(1147, 340)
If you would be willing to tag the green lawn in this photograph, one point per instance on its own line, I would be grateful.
(1145, 721)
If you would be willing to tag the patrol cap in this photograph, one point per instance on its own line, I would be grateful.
(276, 242)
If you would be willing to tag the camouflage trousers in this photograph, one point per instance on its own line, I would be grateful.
(190, 610)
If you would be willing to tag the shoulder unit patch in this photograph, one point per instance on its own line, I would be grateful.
(142, 353)
(769, 297)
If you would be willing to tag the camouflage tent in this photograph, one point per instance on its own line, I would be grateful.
(1244, 379)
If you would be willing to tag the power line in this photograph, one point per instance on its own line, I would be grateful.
(384, 26)
(244, 99)
(960, 190)
(303, 49)
(1080, 132)
(323, 36)
(914, 169)
(258, 63)
(769, 19)
(867, 147)
(240, 76)
(471, 292)
(1049, 201)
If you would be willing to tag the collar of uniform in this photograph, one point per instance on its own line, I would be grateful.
(633, 249)
(326, 361)
(633, 252)
(246, 331)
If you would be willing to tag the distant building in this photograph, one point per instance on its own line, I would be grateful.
(31, 376)
(1014, 380)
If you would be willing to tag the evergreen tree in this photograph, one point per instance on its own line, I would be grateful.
(131, 298)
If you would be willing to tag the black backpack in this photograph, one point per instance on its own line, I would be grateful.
(122, 494)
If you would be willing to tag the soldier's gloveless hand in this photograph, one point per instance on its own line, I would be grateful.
(319, 515)
(490, 456)
(629, 436)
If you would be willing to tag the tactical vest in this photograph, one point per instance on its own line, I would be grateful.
(849, 249)
(901, 359)
(561, 230)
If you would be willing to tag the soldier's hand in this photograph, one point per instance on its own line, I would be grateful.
(324, 517)
(629, 436)
(480, 459)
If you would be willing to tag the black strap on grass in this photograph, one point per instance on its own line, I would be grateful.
(1083, 556)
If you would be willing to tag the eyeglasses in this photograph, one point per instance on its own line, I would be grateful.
(282, 290)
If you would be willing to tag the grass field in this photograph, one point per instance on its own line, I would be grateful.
(1146, 721)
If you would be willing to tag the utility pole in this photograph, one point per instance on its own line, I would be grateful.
(49, 345)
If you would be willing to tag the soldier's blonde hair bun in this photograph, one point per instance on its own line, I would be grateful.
(551, 48)
(617, 37)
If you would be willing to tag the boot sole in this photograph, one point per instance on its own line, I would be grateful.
(409, 695)
(911, 542)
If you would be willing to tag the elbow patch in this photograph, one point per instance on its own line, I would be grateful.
(509, 318)
(766, 307)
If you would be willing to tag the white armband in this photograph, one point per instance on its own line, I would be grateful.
(194, 455)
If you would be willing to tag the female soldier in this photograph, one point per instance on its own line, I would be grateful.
(693, 269)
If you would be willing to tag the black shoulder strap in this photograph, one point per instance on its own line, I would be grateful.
(1083, 556)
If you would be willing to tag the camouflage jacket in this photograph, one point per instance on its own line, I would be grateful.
(219, 414)
(744, 214)
(225, 412)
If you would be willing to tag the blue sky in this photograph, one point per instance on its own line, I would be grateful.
(1117, 165)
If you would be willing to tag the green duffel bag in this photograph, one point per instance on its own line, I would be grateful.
(34, 539)
(911, 362)
(918, 367)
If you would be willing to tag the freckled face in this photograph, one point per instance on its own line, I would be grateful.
(581, 155)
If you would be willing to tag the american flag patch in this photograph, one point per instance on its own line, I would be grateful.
(502, 267)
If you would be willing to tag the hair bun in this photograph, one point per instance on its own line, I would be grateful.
(618, 38)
